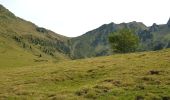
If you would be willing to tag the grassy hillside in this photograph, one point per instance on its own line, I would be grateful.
(13, 54)
(117, 77)
(22, 41)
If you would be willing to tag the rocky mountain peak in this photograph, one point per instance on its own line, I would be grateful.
(168, 23)
(154, 27)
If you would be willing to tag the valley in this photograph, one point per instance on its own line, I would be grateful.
(39, 64)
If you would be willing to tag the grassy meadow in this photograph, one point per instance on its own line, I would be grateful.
(134, 76)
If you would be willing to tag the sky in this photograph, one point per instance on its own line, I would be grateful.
(75, 17)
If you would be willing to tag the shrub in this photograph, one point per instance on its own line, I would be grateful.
(124, 41)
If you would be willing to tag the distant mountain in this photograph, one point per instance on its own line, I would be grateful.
(156, 37)
(95, 42)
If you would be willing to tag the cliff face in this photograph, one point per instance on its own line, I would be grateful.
(168, 23)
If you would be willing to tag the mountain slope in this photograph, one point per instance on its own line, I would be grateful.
(20, 37)
(95, 42)
(156, 37)
(117, 77)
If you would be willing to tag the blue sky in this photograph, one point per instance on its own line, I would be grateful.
(75, 17)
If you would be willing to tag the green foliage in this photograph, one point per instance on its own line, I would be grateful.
(124, 41)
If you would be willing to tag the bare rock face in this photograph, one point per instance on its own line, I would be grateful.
(168, 23)
(154, 28)
(42, 30)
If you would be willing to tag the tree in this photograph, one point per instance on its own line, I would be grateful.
(124, 41)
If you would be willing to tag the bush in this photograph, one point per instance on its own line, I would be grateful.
(124, 41)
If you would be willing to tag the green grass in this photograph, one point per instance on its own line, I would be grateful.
(12, 55)
(12, 52)
(20, 42)
(116, 77)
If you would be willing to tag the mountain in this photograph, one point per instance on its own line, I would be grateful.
(156, 37)
(24, 41)
(40, 43)
(95, 42)
(168, 23)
